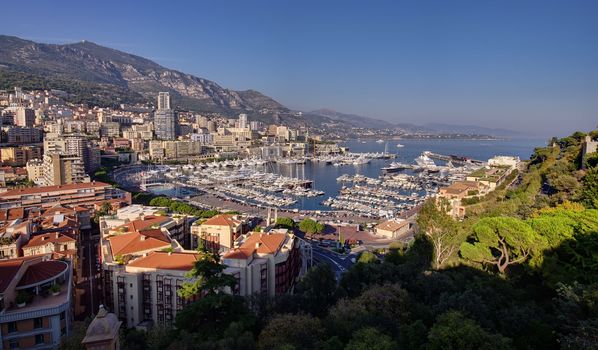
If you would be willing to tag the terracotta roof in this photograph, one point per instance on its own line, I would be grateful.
(9, 269)
(48, 223)
(12, 214)
(260, 243)
(135, 242)
(41, 271)
(142, 224)
(79, 208)
(461, 186)
(166, 261)
(392, 225)
(52, 237)
(57, 210)
(43, 189)
(222, 220)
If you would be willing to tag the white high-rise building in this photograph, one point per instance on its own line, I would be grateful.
(242, 120)
(165, 119)
(163, 100)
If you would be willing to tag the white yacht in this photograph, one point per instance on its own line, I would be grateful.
(424, 161)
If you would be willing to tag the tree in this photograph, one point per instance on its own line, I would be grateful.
(367, 257)
(73, 341)
(311, 226)
(291, 332)
(385, 307)
(105, 209)
(207, 275)
(501, 241)
(317, 289)
(589, 191)
(453, 330)
(284, 222)
(441, 230)
(370, 339)
(213, 314)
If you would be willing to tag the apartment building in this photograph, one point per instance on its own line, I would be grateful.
(143, 292)
(35, 171)
(174, 149)
(19, 156)
(392, 229)
(14, 234)
(217, 233)
(74, 144)
(490, 176)
(34, 315)
(17, 134)
(143, 267)
(266, 263)
(139, 218)
(458, 190)
(62, 169)
(84, 194)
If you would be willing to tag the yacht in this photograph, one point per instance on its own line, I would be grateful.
(380, 141)
(424, 161)
(396, 166)
(400, 146)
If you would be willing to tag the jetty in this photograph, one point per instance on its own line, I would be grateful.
(458, 160)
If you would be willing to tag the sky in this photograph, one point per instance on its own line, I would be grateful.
(516, 64)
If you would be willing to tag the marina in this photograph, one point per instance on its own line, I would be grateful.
(368, 181)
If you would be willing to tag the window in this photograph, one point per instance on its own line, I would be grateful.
(13, 344)
(39, 339)
(62, 315)
(63, 331)
(12, 327)
(131, 296)
(38, 322)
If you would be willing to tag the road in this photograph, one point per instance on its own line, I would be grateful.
(87, 286)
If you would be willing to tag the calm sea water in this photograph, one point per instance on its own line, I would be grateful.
(324, 176)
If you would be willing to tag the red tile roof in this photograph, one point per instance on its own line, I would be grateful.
(166, 261)
(142, 224)
(392, 225)
(42, 271)
(9, 269)
(12, 214)
(135, 242)
(222, 220)
(43, 189)
(52, 237)
(260, 243)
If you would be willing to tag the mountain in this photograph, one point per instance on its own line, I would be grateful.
(353, 119)
(93, 66)
(472, 129)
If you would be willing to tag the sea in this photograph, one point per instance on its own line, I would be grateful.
(324, 175)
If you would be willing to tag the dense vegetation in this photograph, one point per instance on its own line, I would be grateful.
(519, 272)
(181, 207)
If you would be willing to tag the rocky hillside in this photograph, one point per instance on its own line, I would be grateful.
(86, 62)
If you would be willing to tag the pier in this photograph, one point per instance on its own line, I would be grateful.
(459, 160)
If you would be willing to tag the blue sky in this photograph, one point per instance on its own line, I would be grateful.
(528, 65)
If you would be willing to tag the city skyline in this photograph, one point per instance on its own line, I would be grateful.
(529, 67)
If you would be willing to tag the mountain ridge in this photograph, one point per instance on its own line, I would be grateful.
(93, 63)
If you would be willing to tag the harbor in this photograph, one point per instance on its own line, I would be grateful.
(368, 181)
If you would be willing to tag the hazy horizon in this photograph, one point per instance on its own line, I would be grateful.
(530, 66)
